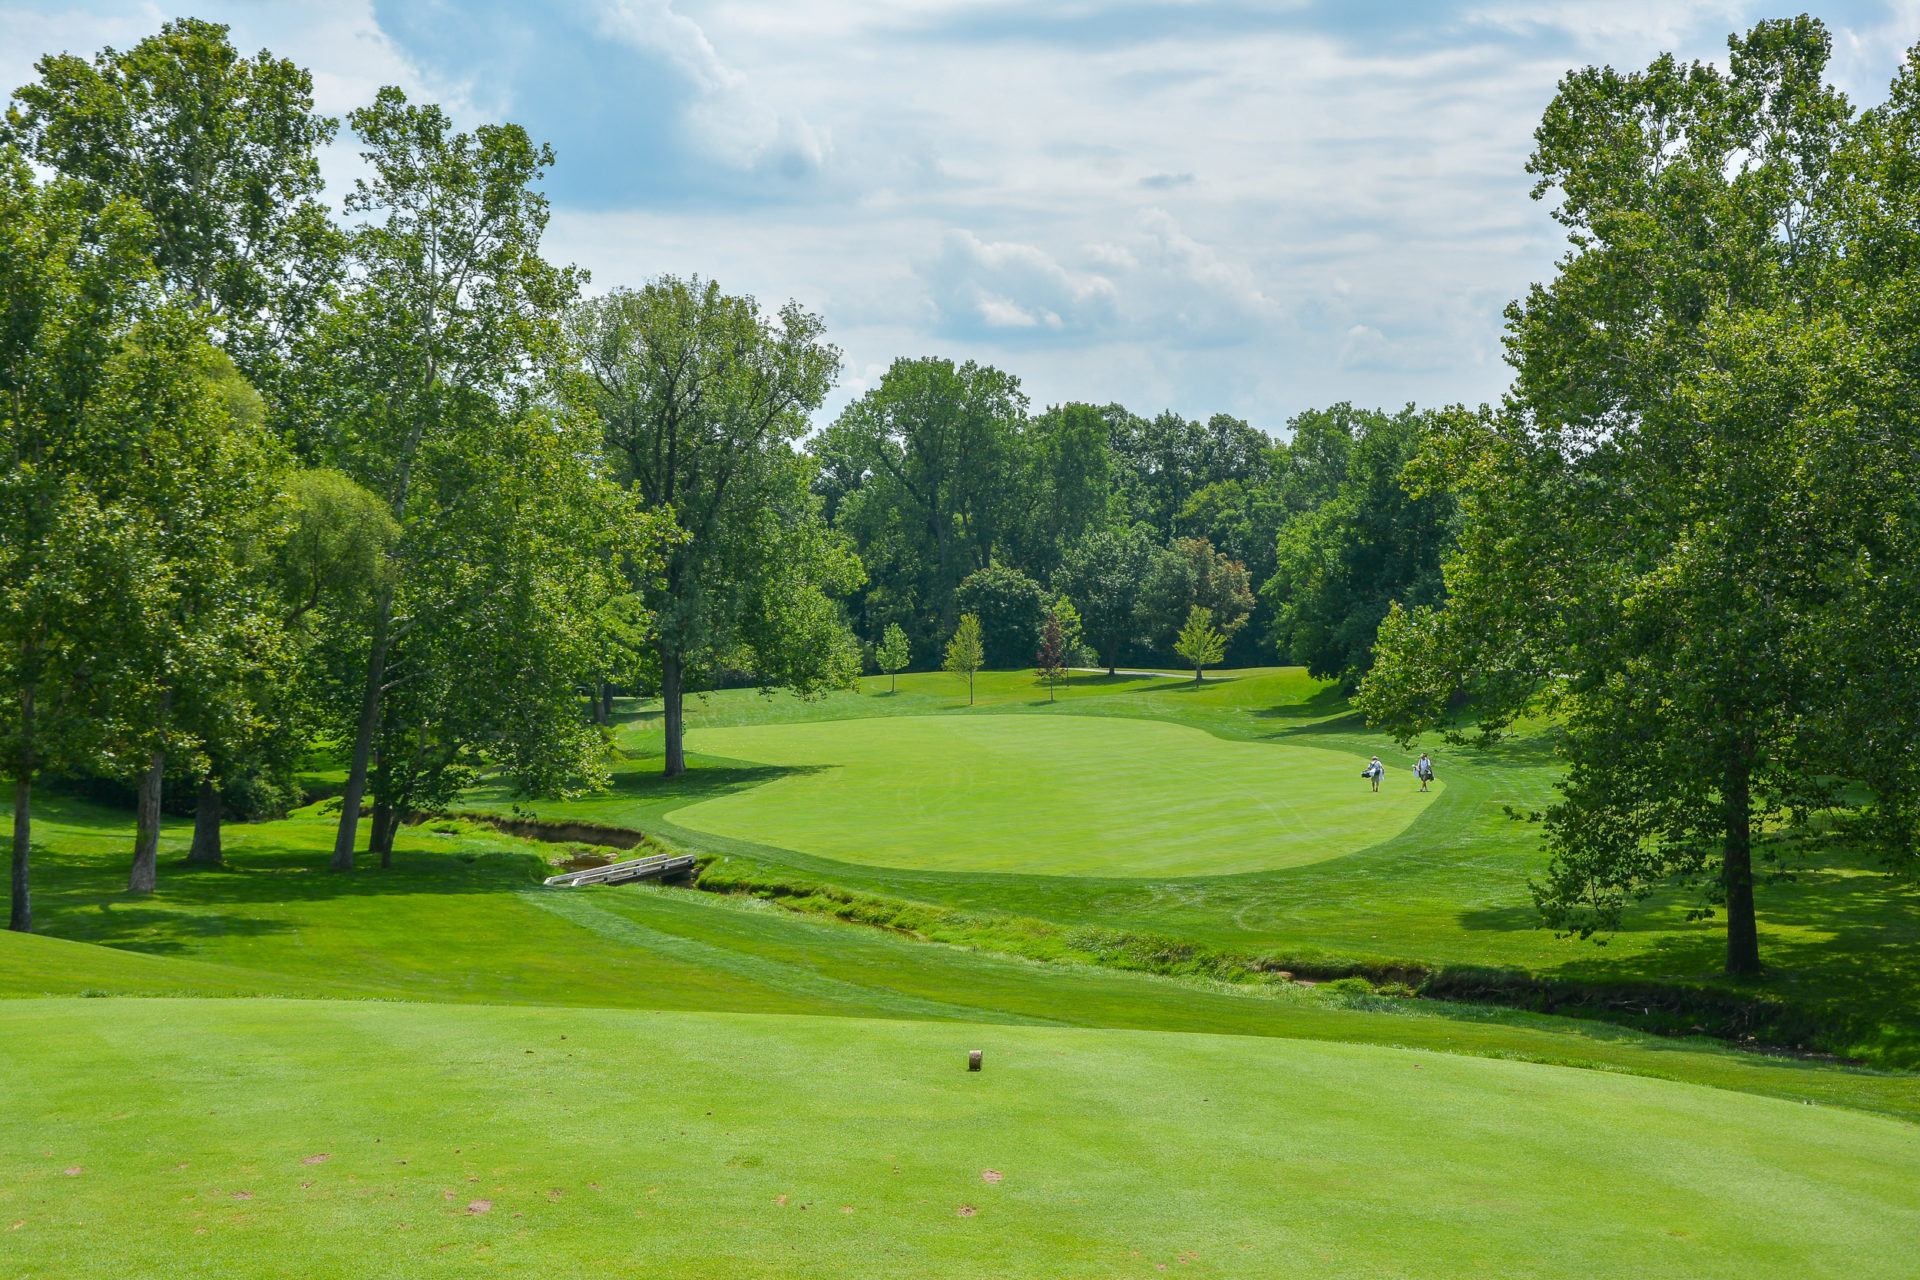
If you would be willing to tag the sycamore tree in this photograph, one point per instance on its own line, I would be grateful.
(965, 652)
(219, 151)
(1660, 539)
(1200, 642)
(893, 654)
(702, 397)
(527, 547)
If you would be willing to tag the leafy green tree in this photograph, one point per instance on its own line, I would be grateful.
(219, 150)
(196, 627)
(1063, 486)
(893, 654)
(1199, 642)
(1160, 463)
(1368, 544)
(927, 473)
(527, 547)
(1640, 551)
(1104, 575)
(964, 654)
(702, 396)
(421, 374)
(1192, 573)
(73, 287)
(1010, 607)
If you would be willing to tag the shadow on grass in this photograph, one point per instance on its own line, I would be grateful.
(709, 780)
(1350, 725)
(1501, 919)
(1325, 703)
(134, 925)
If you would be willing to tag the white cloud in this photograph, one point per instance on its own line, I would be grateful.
(1241, 208)
(727, 114)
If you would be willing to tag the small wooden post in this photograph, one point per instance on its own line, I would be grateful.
(973, 1059)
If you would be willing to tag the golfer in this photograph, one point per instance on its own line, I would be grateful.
(1423, 770)
(1375, 771)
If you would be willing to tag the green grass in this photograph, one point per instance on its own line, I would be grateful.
(1056, 795)
(1448, 890)
(724, 1052)
(461, 918)
(449, 1141)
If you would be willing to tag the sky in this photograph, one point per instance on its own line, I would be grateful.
(1245, 207)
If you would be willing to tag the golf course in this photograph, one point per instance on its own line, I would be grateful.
(448, 1065)
(1209, 654)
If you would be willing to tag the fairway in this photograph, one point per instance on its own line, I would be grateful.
(370, 1140)
(1060, 795)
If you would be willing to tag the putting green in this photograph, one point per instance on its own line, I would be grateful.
(1057, 795)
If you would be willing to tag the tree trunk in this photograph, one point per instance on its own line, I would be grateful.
(1743, 934)
(672, 698)
(606, 703)
(206, 825)
(380, 839)
(599, 699)
(343, 840)
(21, 920)
(146, 838)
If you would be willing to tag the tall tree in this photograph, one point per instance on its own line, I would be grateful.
(431, 352)
(1104, 574)
(702, 396)
(1190, 573)
(199, 625)
(219, 150)
(1160, 463)
(1010, 606)
(73, 287)
(1367, 544)
(926, 471)
(1636, 544)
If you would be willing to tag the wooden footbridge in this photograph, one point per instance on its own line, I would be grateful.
(658, 866)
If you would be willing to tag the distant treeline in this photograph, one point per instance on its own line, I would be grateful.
(959, 500)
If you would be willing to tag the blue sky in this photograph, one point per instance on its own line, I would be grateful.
(1244, 207)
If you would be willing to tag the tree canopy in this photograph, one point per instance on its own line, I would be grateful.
(1667, 539)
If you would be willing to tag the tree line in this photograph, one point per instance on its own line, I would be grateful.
(961, 501)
